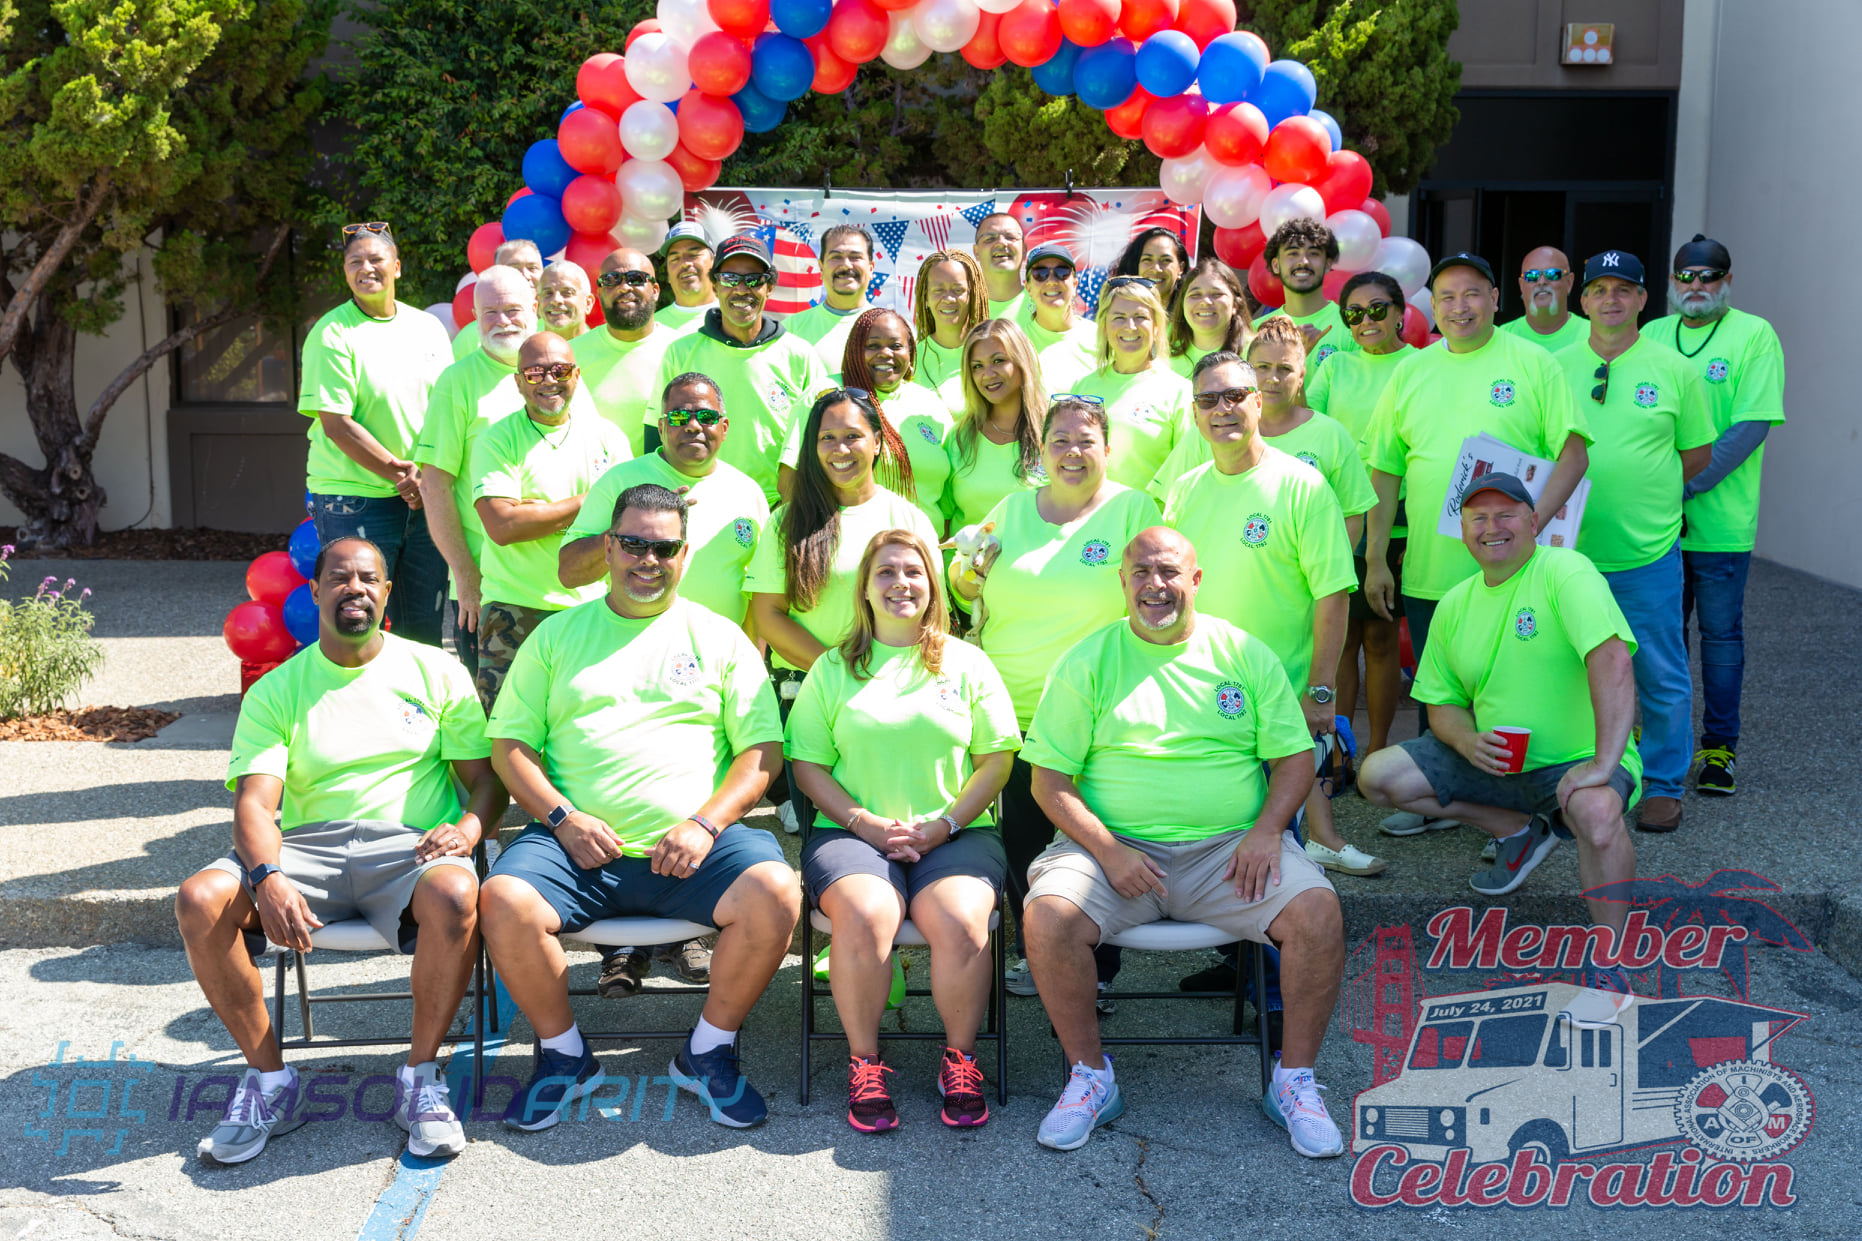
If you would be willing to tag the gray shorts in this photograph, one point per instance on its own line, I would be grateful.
(1453, 778)
(353, 868)
(834, 854)
(1193, 883)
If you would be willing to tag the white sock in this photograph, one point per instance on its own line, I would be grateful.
(269, 1082)
(707, 1037)
(1283, 1075)
(410, 1074)
(1104, 1074)
(568, 1043)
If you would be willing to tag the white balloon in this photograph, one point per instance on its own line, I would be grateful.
(1291, 201)
(1404, 261)
(656, 68)
(1422, 300)
(997, 6)
(645, 236)
(904, 49)
(649, 130)
(443, 311)
(685, 21)
(1233, 196)
(1358, 239)
(465, 282)
(650, 188)
(1185, 178)
(946, 25)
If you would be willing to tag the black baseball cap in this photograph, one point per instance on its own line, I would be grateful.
(1618, 263)
(745, 244)
(1049, 250)
(1461, 258)
(1507, 485)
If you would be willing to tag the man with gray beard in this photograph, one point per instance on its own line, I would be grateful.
(1545, 283)
(620, 361)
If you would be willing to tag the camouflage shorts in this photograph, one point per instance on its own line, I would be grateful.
(502, 628)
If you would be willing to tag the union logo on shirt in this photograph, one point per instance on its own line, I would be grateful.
(950, 697)
(744, 530)
(1525, 625)
(1322, 353)
(684, 669)
(779, 395)
(1308, 458)
(1255, 531)
(1230, 699)
(929, 433)
(1718, 370)
(1647, 395)
(1096, 552)
(1503, 393)
(413, 715)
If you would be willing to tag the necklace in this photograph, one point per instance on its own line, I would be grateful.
(1703, 344)
(543, 435)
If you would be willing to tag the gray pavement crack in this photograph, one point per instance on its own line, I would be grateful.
(1137, 1175)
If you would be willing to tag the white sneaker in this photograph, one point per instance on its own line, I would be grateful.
(1403, 823)
(1295, 1106)
(1350, 860)
(253, 1117)
(1016, 980)
(1606, 996)
(1091, 1099)
(426, 1113)
(785, 814)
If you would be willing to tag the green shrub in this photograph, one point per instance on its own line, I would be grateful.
(46, 648)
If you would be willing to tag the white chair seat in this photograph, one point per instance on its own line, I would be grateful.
(908, 936)
(349, 935)
(1165, 935)
(638, 932)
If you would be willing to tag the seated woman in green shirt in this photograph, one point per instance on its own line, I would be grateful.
(1209, 314)
(996, 446)
(904, 829)
(949, 299)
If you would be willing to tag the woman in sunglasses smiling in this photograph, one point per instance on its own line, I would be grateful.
(1147, 403)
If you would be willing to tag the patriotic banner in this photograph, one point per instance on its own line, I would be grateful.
(911, 225)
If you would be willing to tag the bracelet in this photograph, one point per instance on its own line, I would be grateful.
(705, 823)
(854, 818)
(951, 823)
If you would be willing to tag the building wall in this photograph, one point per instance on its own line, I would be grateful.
(1518, 44)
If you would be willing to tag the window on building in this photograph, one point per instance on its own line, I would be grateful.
(246, 362)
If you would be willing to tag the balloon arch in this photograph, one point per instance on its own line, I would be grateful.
(1237, 131)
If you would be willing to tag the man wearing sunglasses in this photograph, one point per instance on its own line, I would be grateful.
(847, 258)
(688, 258)
(529, 474)
(1301, 253)
(766, 375)
(1545, 280)
(1739, 356)
(1653, 431)
(620, 359)
(1064, 343)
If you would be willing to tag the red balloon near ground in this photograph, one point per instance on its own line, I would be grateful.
(1297, 150)
(694, 173)
(719, 63)
(984, 50)
(857, 30)
(465, 309)
(743, 18)
(1235, 133)
(590, 141)
(1140, 19)
(1377, 211)
(1334, 285)
(255, 632)
(1205, 20)
(482, 246)
(270, 578)
(1346, 181)
(1174, 127)
(1265, 286)
(1030, 33)
(523, 193)
(1415, 327)
(1127, 119)
(1089, 22)
(709, 127)
(591, 204)
(1239, 247)
(833, 74)
(646, 25)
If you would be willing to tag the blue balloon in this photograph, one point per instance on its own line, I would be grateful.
(1231, 66)
(538, 218)
(1056, 76)
(1331, 127)
(761, 113)
(1167, 63)
(308, 507)
(801, 19)
(1287, 89)
(546, 172)
(781, 66)
(1106, 75)
(577, 106)
(300, 615)
(303, 548)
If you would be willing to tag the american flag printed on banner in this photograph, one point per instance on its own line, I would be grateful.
(911, 225)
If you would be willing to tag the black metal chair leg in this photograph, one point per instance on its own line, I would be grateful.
(999, 1007)
(808, 995)
(278, 1002)
(303, 997)
(478, 1029)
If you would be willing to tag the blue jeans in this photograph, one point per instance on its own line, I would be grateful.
(1651, 601)
(417, 605)
(1715, 587)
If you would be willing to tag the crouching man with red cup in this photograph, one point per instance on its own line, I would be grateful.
(1536, 644)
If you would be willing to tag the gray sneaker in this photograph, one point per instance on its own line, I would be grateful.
(1018, 981)
(425, 1112)
(1515, 858)
(1403, 823)
(253, 1116)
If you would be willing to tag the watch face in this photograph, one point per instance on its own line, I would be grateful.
(1320, 694)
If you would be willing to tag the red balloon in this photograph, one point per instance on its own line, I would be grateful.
(1346, 181)
(590, 141)
(1127, 119)
(1415, 327)
(1239, 247)
(523, 193)
(1030, 33)
(857, 30)
(1334, 285)
(719, 63)
(833, 74)
(1377, 211)
(694, 173)
(1265, 286)
(1235, 133)
(482, 246)
(256, 633)
(591, 204)
(586, 250)
(896, 6)
(1174, 126)
(646, 25)
(1205, 20)
(270, 578)
(709, 127)
(602, 83)
(743, 18)
(1296, 150)
(1140, 19)
(465, 310)
(984, 50)
(1089, 22)
(594, 318)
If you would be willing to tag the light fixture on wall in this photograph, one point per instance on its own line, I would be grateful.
(1588, 43)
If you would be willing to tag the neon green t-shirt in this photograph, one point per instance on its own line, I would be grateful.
(1654, 409)
(1166, 742)
(378, 372)
(520, 459)
(931, 724)
(1150, 412)
(1271, 542)
(1432, 404)
(827, 330)
(1338, 340)
(680, 318)
(938, 367)
(1576, 330)
(637, 720)
(1184, 363)
(1012, 308)
(727, 517)
(619, 375)
(465, 340)
(1052, 585)
(1064, 357)
(831, 619)
(1319, 441)
(1513, 654)
(362, 743)
(923, 424)
(767, 388)
(979, 484)
(1743, 364)
(1347, 392)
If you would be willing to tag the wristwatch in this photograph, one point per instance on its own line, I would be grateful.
(954, 826)
(559, 816)
(1321, 694)
(260, 873)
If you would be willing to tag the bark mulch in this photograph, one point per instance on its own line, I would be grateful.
(159, 545)
(89, 724)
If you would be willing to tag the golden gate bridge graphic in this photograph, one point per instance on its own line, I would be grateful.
(1382, 998)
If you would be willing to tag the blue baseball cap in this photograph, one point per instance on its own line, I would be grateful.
(1618, 263)
(745, 244)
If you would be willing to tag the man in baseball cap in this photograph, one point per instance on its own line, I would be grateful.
(1063, 340)
(687, 258)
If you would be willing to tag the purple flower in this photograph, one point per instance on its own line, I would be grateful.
(6, 549)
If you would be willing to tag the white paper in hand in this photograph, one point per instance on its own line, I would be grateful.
(1483, 454)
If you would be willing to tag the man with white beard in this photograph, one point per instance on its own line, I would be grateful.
(1545, 282)
(523, 257)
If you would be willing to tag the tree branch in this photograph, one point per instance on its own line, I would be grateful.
(21, 302)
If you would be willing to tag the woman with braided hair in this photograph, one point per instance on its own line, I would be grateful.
(949, 299)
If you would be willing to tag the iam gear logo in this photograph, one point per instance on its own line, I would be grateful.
(1230, 699)
(744, 531)
(1718, 370)
(1255, 531)
(1647, 395)
(1503, 393)
(1525, 625)
(928, 433)
(1096, 552)
(683, 669)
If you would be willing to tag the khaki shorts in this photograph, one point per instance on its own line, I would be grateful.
(1193, 880)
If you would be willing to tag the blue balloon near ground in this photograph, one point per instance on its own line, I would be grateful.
(308, 509)
(577, 106)
(303, 548)
(1286, 89)
(546, 172)
(1231, 66)
(801, 19)
(1331, 127)
(538, 218)
(1056, 76)
(300, 615)
(781, 67)
(761, 113)
(1167, 63)
(1106, 75)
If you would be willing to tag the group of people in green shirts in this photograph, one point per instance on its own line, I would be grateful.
(701, 569)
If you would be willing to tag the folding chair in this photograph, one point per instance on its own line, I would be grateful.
(641, 933)
(908, 936)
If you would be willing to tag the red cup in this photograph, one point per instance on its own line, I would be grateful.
(1515, 741)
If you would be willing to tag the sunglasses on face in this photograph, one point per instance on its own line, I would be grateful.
(748, 279)
(632, 279)
(1378, 312)
(1602, 390)
(663, 549)
(367, 226)
(1228, 396)
(1534, 275)
(1710, 276)
(702, 416)
(555, 372)
(1056, 271)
